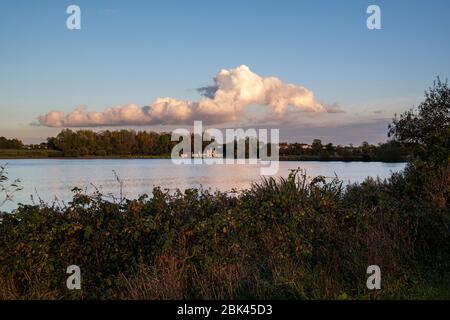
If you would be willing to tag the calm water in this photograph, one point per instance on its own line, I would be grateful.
(54, 179)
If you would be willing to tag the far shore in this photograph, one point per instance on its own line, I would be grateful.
(282, 158)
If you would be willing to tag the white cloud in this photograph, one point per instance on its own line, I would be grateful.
(226, 101)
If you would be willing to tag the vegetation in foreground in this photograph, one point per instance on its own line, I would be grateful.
(287, 238)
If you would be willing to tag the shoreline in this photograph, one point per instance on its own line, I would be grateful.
(282, 159)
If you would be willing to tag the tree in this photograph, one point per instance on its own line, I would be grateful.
(390, 151)
(316, 146)
(330, 148)
(10, 143)
(427, 127)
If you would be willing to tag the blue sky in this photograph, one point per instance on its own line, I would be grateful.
(137, 51)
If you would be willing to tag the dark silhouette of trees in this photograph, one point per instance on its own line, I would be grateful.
(391, 151)
(128, 143)
(426, 179)
(10, 143)
(110, 143)
(316, 146)
(427, 127)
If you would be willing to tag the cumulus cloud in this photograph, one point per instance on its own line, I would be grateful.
(226, 101)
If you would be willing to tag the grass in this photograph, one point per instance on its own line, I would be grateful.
(28, 153)
(42, 154)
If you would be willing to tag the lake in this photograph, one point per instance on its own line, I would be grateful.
(50, 179)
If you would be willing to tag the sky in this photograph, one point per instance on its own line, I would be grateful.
(311, 68)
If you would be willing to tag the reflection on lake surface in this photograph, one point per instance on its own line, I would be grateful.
(54, 178)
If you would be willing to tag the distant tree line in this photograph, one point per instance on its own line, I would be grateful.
(110, 143)
(142, 143)
(10, 143)
(122, 143)
(390, 151)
